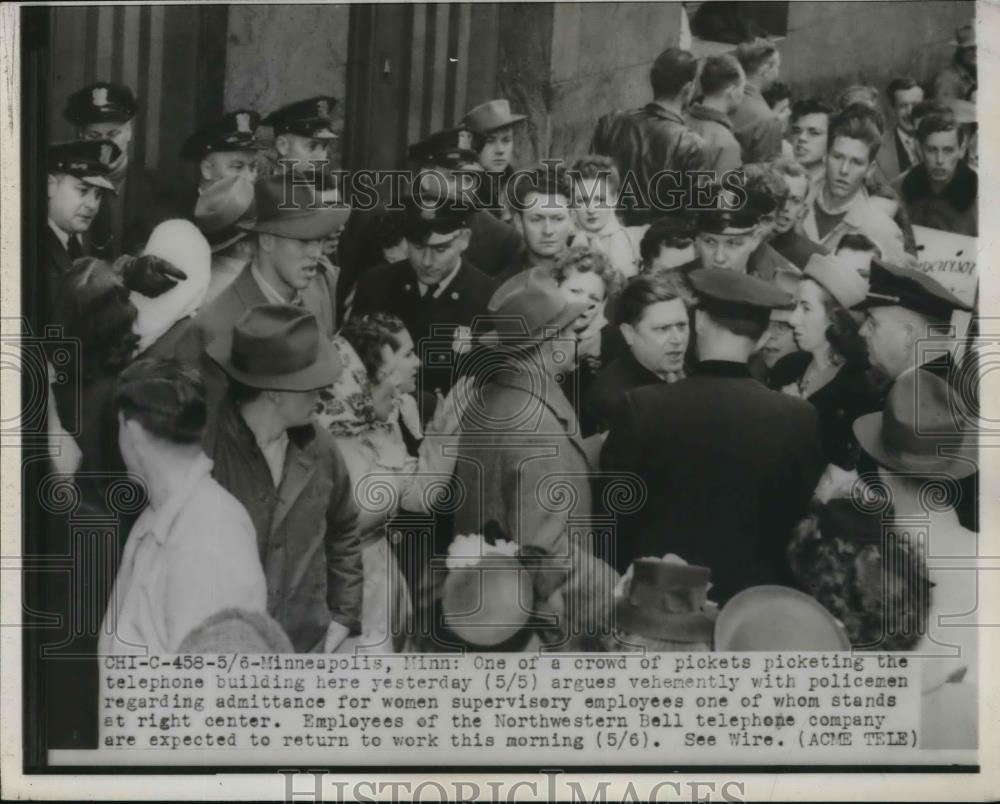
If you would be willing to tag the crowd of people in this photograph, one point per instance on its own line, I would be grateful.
(526, 407)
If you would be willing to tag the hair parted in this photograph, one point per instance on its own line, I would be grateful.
(165, 397)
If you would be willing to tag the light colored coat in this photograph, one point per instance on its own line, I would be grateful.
(863, 216)
(185, 561)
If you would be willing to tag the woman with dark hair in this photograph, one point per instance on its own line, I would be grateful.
(831, 371)
(364, 410)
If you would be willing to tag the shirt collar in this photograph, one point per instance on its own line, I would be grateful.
(850, 211)
(443, 284)
(269, 291)
(63, 236)
(162, 518)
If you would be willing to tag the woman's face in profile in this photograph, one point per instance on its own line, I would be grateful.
(399, 367)
(809, 320)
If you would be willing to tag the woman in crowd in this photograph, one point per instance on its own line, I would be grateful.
(164, 324)
(364, 410)
(831, 371)
(584, 274)
(495, 121)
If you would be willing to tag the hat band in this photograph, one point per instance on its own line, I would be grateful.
(902, 440)
(272, 356)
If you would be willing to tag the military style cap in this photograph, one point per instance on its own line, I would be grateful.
(423, 217)
(837, 278)
(490, 116)
(102, 102)
(449, 148)
(88, 160)
(231, 132)
(724, 217)
(307, 118)
(738, 289)
(892, 285)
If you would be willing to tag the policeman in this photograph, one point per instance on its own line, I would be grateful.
(79, 178)
(224, 148)
(303, 132)
(106, 111)
(435, 291)
(730, 465)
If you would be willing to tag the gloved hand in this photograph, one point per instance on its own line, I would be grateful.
(148, 275)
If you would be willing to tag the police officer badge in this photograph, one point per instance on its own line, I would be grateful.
(105, 155)
(243, 123)
(100, 96)
(322, 108)
(465, 140)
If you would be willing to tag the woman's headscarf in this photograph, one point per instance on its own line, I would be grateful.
(347, 410)
(180, 243)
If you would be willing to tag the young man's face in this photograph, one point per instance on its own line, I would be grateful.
(942, 151)
(794, 208)
(659, 339)
(728, 251)
(119, 133)
(498, 152)
(546, 224)
(73, 203)
(438, 256)
(594, 203)
(902, 105)
(809, 138)
(223, 164)
(294, 261)
(296, 408)
(848, 163)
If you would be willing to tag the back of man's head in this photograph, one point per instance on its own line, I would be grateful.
(719, 73)
(742, 321)
(755, 55)
(166, 398)
(673, 70)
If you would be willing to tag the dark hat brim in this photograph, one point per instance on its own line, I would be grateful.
(868, 432)
(321, 374)
(313, 224)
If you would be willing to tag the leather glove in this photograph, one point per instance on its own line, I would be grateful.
(149, 275)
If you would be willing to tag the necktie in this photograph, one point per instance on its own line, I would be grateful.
(73, 248)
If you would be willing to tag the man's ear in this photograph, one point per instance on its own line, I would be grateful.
(206, 169)
(281, 145)
(52, 183)
(462, 241)
(628, 333)
(265, 241)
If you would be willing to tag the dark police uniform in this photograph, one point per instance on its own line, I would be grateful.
(729, 465)
(125, 220)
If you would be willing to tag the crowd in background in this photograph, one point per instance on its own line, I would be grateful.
(600, 403)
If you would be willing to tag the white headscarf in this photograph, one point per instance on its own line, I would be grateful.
(178, 242)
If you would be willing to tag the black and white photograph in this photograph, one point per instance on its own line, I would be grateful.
(498, 401)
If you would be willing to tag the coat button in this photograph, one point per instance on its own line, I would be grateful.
(454, 295)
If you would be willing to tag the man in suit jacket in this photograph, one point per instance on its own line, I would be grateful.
(288, 473)
(436, 292)
(286, 268)
(104, 110)
(78, 181)
(729, 466)
(899, 151)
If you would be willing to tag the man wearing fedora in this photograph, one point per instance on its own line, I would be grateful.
(521, 456)
(435, 291)
(288, 472)
(219, 210)
(107, 111)
(495, 121)
(728, 465)
(906, 312)
(289, 229)
(959, 79)
(923, 439)
(225, 148)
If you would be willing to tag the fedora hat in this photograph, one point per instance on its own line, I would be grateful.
(277, 347)
(774, 618)
(490, 116)
(837, 278)
(531, 306)
(918, 424)
(220, 207)
(666, 601)
(288, 206)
